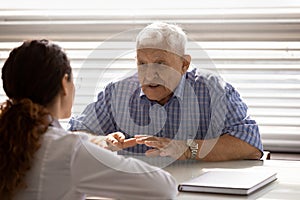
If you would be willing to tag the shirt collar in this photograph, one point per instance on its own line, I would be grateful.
(179, 90)
(55, 123)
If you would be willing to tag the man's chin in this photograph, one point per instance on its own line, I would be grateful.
(152, 97)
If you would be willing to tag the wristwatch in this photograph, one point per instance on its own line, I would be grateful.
(193, 146)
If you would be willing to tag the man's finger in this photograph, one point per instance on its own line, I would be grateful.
(152, 153)
(154, 144)
(164, 152)
(141, 140)
(140, 136)
(129, 143)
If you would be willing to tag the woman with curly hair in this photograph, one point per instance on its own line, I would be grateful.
(39, 159)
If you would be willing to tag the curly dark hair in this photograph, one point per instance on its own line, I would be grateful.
(31, 77)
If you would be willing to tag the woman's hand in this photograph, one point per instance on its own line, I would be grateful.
(116, 141)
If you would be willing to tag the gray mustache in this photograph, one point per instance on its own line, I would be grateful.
(154, 82)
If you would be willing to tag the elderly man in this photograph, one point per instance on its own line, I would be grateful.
(167, 110)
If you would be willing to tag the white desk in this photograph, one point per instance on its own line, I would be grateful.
(287, 186)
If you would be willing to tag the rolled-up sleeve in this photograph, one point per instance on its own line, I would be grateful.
(96, 116)
(238, 123)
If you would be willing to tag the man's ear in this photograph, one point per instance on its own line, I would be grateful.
(64, 82)
(186, 63)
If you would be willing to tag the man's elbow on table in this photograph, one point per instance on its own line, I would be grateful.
(227, 148)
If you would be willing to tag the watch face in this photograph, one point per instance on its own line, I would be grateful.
(192, 144)
(189, 142)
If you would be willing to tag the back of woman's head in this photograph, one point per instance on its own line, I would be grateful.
(34, 71)
(32, 78)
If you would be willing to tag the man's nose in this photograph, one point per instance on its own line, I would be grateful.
(151, 71)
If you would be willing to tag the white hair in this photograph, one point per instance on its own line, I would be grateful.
(163, 36)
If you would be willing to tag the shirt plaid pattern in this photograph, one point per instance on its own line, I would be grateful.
(203, 106)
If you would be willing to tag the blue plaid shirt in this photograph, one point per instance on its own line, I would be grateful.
(203, 106)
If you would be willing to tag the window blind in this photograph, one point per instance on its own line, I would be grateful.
(252, 44)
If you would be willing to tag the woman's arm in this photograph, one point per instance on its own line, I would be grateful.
(99, 172)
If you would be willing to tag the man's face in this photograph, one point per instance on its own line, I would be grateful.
(159, 73)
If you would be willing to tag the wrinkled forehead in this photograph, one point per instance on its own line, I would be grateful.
(154, 53)
(162, 47)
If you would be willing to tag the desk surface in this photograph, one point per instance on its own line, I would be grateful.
(287, 185)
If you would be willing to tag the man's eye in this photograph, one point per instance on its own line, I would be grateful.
(161, 62)
(142, 65)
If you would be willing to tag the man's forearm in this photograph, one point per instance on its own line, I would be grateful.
(226, 147)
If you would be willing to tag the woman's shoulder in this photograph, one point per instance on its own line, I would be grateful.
(56, 134)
